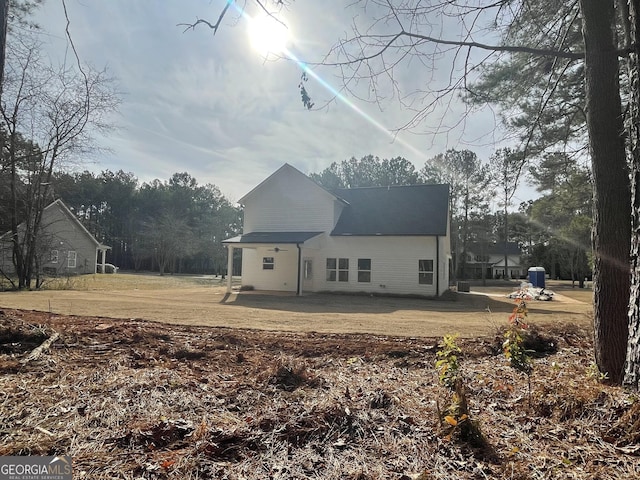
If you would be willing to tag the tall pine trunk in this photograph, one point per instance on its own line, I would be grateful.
(612, 208)
(506, 242)
(632, 31)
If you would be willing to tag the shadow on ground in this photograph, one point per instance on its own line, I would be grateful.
(343, 303)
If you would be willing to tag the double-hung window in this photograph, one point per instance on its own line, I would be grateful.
(343, 269)
(364, 270)
(332, 269)
(54, 256)
(71, 259)
(425, 272)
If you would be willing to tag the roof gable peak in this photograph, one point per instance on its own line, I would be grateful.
(284, 169)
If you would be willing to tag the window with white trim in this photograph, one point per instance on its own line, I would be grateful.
(71, 259)
(425, 272)
(364, 270)
(54, 256)
(343, 269)
(337, 269)
(332, 269)
(268, 263)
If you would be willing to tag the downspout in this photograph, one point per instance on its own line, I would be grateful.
(299, 288)
(437, 266)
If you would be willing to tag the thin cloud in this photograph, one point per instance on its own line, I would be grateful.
(210, 105)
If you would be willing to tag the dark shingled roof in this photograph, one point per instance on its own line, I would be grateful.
(398, 210)
(273, 237)
(496, 248)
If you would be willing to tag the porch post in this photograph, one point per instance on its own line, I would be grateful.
(229, 267)
(104, 256)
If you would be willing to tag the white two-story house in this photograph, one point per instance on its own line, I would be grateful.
(299, 237)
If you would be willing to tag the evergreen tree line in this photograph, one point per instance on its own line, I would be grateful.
(177, 226)
(553, 230)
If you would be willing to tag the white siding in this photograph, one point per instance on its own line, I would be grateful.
(515, 270)
(289, 202)
(394, 264)
(283, 277)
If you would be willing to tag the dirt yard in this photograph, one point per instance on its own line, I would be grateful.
(136, 399)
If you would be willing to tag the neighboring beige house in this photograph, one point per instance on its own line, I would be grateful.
(65, 246)
(299, 237)
(491, 258)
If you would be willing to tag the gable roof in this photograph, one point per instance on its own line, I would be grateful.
(500, 263)
(497, 248)
(286, 168)
(397, 210)
(75, 220)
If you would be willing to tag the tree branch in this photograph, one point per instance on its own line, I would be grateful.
(499, 48)
(215, 26)
(459, 43)
(36, 352)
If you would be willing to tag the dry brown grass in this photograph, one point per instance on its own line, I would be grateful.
(190, 300)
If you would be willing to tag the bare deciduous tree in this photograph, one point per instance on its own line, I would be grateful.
(58, 110)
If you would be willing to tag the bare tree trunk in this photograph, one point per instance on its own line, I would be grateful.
(17, 248)
(632, 368)
(4, 15)
(465, 235)
(611, 188)
(506, 243)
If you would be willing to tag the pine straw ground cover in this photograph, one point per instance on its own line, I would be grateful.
(141, 400)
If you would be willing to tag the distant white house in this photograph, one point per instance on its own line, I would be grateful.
(490, 257)
(299, 237)
(64, 245)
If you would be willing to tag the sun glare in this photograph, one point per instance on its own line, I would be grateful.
(268, 35)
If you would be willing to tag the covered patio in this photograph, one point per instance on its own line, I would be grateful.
(281, 254)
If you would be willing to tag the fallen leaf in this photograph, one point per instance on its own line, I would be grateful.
(450, 420)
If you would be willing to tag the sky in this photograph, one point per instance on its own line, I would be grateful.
(211, 105)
